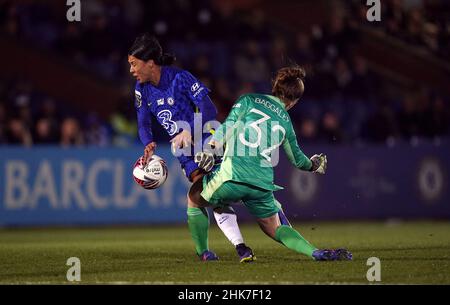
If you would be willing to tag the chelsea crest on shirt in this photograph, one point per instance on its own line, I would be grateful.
(170, 101)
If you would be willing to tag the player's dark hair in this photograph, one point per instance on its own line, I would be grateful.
(288, 83)
(146, 47)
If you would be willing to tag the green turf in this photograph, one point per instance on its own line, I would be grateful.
(411, 252)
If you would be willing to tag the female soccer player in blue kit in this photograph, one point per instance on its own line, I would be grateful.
(173, 96)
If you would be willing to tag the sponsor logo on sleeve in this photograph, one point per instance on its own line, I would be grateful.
(196, 88)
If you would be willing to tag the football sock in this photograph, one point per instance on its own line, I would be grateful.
(227, 222)
(293, 240)
(198, 223)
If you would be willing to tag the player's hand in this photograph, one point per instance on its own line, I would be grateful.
(205, 160)
(181, 140)
(319, 164)
(148, 152)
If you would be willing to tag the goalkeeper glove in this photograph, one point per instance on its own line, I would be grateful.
(319, 164)
(209, 157)
(205, 160)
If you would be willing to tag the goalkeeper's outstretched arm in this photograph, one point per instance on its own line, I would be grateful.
(294, 153)
(317, 163)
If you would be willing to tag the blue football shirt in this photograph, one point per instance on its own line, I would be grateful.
(176, 98)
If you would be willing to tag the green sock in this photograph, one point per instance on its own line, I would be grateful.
(293, 240)
(198, 223)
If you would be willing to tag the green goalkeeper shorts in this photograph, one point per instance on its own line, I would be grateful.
(260, 202)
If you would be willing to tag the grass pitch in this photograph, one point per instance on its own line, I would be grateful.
(410, 253)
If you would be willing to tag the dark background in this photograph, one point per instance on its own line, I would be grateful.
(377, 102)
(367, 82)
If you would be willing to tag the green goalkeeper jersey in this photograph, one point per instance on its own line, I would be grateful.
(256, 126)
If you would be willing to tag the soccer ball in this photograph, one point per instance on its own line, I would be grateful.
(152, 175)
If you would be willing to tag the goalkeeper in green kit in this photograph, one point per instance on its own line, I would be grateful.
(248, 139)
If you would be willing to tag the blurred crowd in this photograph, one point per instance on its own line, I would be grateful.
(424, 24)
(29, 117)
(232, 53)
